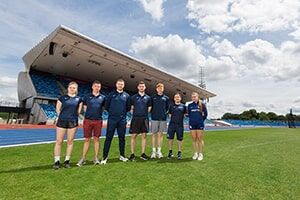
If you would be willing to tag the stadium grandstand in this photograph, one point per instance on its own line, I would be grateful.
(66, 55)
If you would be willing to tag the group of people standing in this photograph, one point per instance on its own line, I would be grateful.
(117, 104)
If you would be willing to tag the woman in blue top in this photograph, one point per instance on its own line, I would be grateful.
(197, 114)
(68, 108)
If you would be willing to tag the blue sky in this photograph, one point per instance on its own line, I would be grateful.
(250, 51)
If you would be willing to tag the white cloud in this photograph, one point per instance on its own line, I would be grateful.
(172, 53)
(8, 81)
(261, 58)
(243, 15)
(154, 8)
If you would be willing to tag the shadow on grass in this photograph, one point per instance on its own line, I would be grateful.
(90, 163)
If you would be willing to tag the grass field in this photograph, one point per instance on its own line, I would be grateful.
(238, 164)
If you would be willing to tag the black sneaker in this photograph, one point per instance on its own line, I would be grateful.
(132, 157)
(179, 156)
(56, 165)
(67, 164)
(144, 156)
(170, 155)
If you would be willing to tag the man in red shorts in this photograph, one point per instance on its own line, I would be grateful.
(93, 106)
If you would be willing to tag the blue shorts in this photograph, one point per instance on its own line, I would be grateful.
(178, 128)
(196, 126)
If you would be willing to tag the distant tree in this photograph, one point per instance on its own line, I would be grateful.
(262, 116)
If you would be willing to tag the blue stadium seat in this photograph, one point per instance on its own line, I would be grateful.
(45, 84)
(49, 110)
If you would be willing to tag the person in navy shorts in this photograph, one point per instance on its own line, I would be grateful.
(68, 108)
(197, 113)
(177, 111)
(141, 106)
(117, 105)
(93, 105)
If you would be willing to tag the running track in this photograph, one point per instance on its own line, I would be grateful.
(20, 137)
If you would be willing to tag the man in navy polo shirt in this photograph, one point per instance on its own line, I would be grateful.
(93, 105)
(141, 106)
(159, 111)
(117, 104)
(177, 111)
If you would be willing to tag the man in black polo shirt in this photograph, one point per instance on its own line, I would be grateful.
(140, 107)
(93, 105)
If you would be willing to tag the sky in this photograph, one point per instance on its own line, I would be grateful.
(250, 49)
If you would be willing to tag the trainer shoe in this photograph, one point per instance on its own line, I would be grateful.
(144, 156)
(170, 155)
(56, 165)
(96, 161)
(103, 161)
(200, 157)
(159, 155)
(123, 159)
(179, 156)
(153, 155)
(80, 163)
(132, 157)
(195, 156)
(67, 164)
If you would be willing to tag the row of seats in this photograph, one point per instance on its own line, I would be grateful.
(45, 85)
(49, 110)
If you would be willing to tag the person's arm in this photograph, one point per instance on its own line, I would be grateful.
(84, 108)
(107, 102)
(58, 107)
(128, 104)
(167, 104)
(149, 104)
(79, 108)
(204, 111)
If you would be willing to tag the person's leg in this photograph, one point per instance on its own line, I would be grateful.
(170, 144)
(97, 134)
(200, 140)
(60, 133)
(154, 129)
(179, 136)
(86, 146)
(133, 142)
(195, 145)
(87, 133)
(121, 129)
(70, 140)
(110, 130)
(144, 142)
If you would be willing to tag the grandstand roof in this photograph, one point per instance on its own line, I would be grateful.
(69, 53)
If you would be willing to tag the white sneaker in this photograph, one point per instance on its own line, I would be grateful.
(200, 157)
(103, 162)
(153, 155)
(123, 159)
(96, 161)
(80, 162)
(195, 156)
(159, 155)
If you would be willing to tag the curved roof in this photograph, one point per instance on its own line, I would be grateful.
(69, 53)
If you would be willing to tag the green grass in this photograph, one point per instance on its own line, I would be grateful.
(238, 164)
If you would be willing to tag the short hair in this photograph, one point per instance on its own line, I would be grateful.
(177, 94)
(141, 83)
(159, 85)
(96, 82)
(120, 80)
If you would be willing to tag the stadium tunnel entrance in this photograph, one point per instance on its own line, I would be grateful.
(66, 55)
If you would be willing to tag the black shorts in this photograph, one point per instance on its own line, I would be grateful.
(178, 128)
(66, 124)
(139, 125)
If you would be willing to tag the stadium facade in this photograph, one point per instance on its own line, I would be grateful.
(66, 55)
